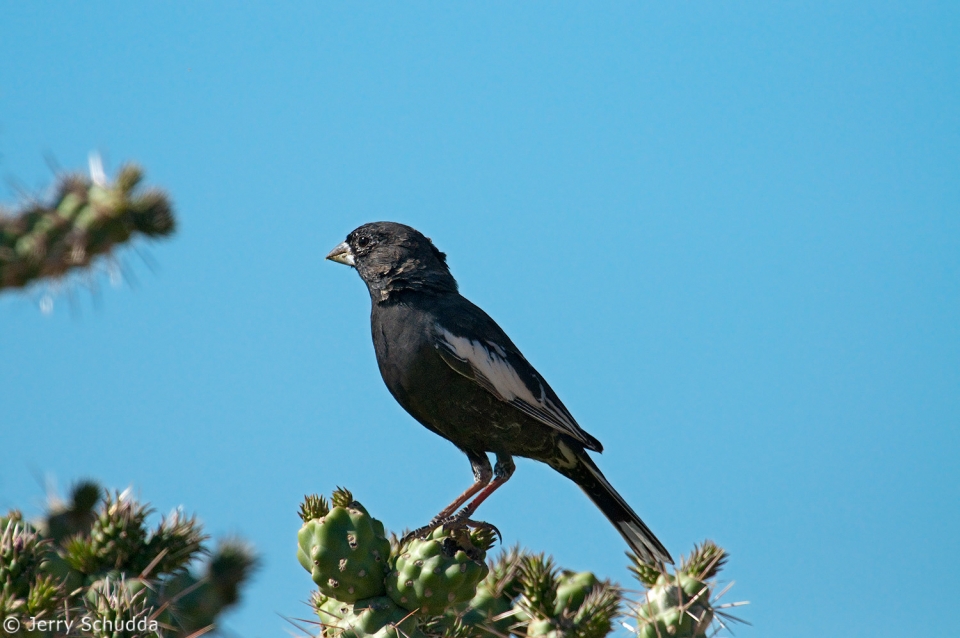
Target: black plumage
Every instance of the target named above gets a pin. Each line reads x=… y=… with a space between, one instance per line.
x=456 y=372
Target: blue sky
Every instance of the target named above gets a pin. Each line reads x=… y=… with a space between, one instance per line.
x=728 y=234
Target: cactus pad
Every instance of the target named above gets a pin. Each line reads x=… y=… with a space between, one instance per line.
x=345 y=551
x=572 y=588
x=435 y=573
x=678 y=606
x=377 y=617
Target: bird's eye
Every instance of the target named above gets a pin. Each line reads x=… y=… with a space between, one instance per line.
x=363 y=242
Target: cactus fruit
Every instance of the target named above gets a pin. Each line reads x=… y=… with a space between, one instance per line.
x=87 y=218
x=345 y=550
x=538 y=597
x=380 y=617
x=572 y=589
x=377 y=617
x=439 y=571
x=333 y=614
x=487 y=610
x=492 y=607
x=678 y=605
x=564 y=605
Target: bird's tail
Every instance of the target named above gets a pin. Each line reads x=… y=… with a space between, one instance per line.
x=591 y=480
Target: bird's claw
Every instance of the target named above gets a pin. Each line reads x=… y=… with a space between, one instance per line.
x=460 y=520
x=421 y=532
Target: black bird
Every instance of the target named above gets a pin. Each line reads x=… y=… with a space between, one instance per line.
x=456 y=372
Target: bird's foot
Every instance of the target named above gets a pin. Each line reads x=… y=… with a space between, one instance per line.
x=422 y=532
x=459 y=521
x=462 y=520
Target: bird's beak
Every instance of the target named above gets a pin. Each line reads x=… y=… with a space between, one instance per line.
x=342 y=254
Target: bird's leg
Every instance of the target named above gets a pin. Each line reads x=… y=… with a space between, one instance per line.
x=502 y=472
x=482 y=473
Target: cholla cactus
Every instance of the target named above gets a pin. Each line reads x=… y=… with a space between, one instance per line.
x=566 y=605
x=440 y=587
x=344 y=548
x=679 y=605
x=96 y=557
x=117 y=608
x=117 y=536
x=429 y=575
x=86 y=219
x=196 y=600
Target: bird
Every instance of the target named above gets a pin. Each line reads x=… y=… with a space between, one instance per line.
x=454 y=370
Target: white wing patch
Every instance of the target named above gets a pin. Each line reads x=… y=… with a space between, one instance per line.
x=488 y=362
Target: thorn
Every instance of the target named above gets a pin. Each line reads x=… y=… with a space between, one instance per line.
x=97 y=174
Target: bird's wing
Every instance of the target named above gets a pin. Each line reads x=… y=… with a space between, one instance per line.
x=501 y=370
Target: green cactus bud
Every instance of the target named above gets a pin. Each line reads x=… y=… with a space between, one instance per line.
x=488 y=611
x=80 y=555
x=504 y=577
x=313 y=506
x=332 y=613
x=539 y=577
x=678 y=605
x=116 y=610
x=705 y=560
x=646 y=573
x=128 y=178
x=71 y=204
x=435 y=573
x=45 y=596
x=119 y=533
x=22 y=554
x=170 y=548
x=572 y=589
x=99 y=583
x=345 y=551
x=342 y=497
x=380 y=617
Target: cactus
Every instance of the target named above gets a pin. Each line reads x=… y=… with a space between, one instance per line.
x=565 y=604
x=117 y=535
x=86 y=219
x=115 y=609
x=199 y=599
x=679 y=604
x=440 y=587
x=439 y=571
x=378 y=617
x=343 y=548
x=95 y=557
x=22 y=553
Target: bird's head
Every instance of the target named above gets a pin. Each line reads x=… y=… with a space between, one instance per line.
x=391 y=257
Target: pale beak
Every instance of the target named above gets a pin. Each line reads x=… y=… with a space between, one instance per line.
x=342 y=254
